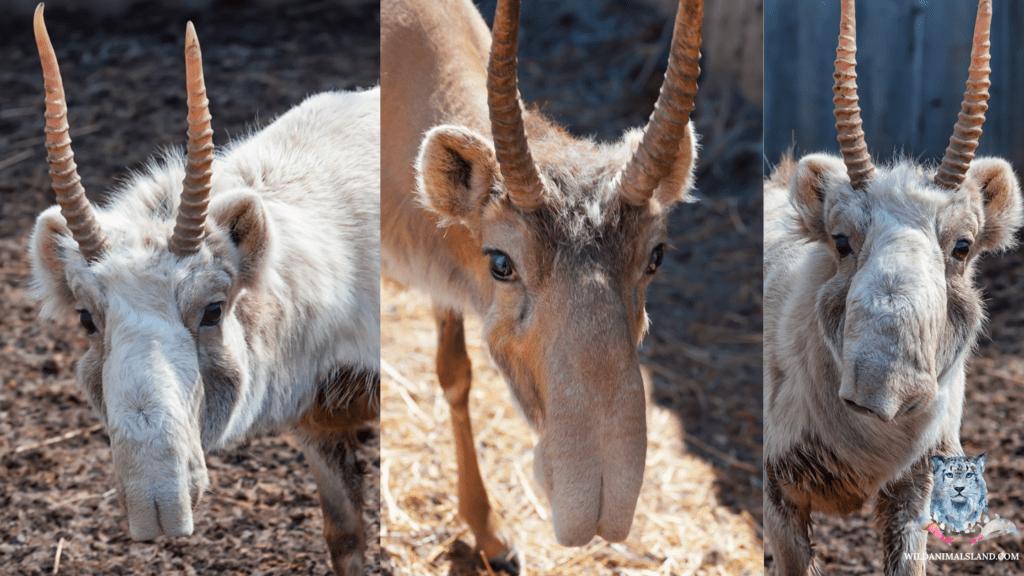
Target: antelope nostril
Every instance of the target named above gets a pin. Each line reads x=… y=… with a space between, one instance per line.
x=857 y=407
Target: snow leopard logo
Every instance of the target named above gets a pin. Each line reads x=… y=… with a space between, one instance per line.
x=959 y=494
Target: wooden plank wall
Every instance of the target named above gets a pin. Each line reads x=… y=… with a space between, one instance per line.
x=912 y=61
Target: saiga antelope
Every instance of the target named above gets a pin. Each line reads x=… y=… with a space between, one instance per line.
x=254 y=310
x=493 y=210
x=871 y=313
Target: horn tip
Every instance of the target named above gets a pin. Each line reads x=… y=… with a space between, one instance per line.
x=37 y=21
x=190 y=34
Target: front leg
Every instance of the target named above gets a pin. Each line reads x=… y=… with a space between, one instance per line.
x=327 y=432
x=788 y=525
x=901 y=502
x=339 y=482
x=454 y=372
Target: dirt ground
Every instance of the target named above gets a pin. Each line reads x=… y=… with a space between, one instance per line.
x=124 y=79
x=597 y=69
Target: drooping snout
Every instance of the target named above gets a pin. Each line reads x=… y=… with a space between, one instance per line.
x=152 y=394
x=894 y=317
x=593 y=441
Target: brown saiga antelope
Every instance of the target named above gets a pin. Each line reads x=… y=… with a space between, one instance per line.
x=225 y=295
x=552 y=240
x=871 y=313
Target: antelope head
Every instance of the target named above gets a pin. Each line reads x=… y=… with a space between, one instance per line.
x=570 y=233
x=164 y=369
x=898 y=305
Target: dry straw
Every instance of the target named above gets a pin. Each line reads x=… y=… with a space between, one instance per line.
x=678 y=529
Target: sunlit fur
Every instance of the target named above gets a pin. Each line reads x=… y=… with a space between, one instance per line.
x=565 y=328
x=291 y=250
x=864 y=355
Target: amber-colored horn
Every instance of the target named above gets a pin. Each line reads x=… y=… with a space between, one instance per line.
x=190 y=227
x=74 y=206
x=967 y=130
x=522 y=180
x=848 y=122
x=659 y=146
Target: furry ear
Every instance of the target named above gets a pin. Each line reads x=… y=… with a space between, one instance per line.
x=937 y=462
x=814 y=177
x=244 y=219
x=52 y=249
x=980 y=463
x=680 y=181
x=1000 y=194
x=455 y=172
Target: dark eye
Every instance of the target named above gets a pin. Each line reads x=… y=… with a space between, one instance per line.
x=961 y=249
x=211 y=315
x=501 y=265
x=657 y=257
x=842 y=245
x=86 y=319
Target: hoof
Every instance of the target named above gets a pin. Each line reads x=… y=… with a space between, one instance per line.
x=507 y=563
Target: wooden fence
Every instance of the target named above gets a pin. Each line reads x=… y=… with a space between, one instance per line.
x=912 y=59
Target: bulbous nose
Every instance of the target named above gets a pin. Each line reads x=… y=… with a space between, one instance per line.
x=878 y=412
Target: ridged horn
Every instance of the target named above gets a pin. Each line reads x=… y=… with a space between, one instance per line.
x=659 y=145
x=518 y=169
x=847 y=112
x=190 y=227
x=967 y=131
x=74 y=205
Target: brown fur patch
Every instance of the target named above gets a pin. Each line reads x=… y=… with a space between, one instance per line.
x=811 y=472
x=347 y=398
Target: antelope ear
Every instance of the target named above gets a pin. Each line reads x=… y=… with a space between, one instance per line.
x=680 y=180
x=1000 y=194
x=52 y=249
x=242 y=216
x=455 y=172
x=816 y=177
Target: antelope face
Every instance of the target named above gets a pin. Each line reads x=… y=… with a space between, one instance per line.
x=566 y=309
x=165 y=363
x=899 y=307
x=166 y=357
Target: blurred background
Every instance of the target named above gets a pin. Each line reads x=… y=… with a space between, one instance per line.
x=912 y=60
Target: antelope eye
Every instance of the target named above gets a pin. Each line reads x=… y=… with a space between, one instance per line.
x=501 y=265
x=211 y=315
x=86 y=319
x=961 y=249
x=657 y=257
x=842 y=245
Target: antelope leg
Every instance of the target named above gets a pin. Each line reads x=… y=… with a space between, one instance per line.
x=899 y=502
x=788 y=527
x=339 y=481
x=454 y=372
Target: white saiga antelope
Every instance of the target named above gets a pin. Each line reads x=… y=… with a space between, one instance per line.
x=552 y=240
x=254 y=310
x=871 y=313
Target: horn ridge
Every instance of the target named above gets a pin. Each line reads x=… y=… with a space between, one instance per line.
x=66 y=183
x=190 y=227
x=967 y=130
x=654 y=157
x=518 y=168
x=849 y=125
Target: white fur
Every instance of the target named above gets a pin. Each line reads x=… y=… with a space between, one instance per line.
x=313 y=308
